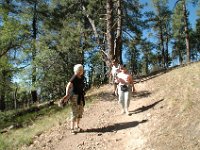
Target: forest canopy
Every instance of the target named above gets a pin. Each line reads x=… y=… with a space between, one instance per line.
x=41 y=41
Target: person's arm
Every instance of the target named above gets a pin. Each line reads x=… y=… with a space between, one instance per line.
x=110 y=72
x=117 y=78
x=69 y=88
x=65 y=99
x=68 y=92
x=132 y=84
x=133 y=88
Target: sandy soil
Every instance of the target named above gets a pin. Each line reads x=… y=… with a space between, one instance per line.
x=104 y=126
x=164 y=116
x=152 y=125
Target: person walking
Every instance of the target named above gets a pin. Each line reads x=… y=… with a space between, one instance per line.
x=125 y=88
x=113 y=75
x=75 y=90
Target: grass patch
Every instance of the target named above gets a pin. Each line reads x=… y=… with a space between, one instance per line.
x=32 y=124
x=25 y=118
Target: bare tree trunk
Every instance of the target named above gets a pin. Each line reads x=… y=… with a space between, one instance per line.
x=146 y=63
x=133 y=61
x=2 y=94
x=118 y=41
x=167 y=52
x=15 y=98
x=2 y=101
x=180 y=55
x=162 y=45
x=110 y=33
x=34 y=25
x=186 y=32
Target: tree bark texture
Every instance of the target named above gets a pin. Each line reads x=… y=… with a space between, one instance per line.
x=34 y=26
x=187 y=40
x=110 y=31
x=3 y=92
x=118 y=40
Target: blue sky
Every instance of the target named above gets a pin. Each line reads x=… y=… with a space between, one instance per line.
x=192 y=10
x=192 y=20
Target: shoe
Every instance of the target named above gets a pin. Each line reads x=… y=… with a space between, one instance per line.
x=127 y=113
x=73 y=132
x=79 y=129
x=122 y=112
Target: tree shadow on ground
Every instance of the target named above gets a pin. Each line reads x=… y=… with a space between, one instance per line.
x=107 y=96
x=103 y=96
x=144 y=108
x=141 y=94
x=116 y=127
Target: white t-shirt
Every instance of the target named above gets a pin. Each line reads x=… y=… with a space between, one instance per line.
x=114 y=70
x=123 y=78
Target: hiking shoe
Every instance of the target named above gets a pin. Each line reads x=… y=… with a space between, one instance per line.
x=73 y=132
x=79 y=129
x=128 y=113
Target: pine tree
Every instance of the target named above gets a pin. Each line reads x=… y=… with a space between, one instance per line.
x=161 y=23
x=11 y=35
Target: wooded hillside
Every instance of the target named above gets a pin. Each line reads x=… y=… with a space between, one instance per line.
x=41 y=41
x=164 y=114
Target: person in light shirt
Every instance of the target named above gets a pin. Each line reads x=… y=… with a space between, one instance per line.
x=113 y=74
x=125 y=88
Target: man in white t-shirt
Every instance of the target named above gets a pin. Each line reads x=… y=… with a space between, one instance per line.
x=113 y=74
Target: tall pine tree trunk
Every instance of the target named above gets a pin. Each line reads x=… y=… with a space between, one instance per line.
x=2 y=94
x=167 y=52
x=34 y=26
x=110 y=32
x=2 y=100
x=187 y=40
x=118 y=41
x=146 y=63
x=162 y=45
x=179 y=54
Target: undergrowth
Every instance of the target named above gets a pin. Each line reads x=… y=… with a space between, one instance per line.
x=24 y=127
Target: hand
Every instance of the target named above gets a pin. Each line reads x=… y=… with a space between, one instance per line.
x=134 y=91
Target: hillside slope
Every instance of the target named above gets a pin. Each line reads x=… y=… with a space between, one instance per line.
x=164 y=116
x=177 y=123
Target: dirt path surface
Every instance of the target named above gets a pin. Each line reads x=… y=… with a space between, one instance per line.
x=164 y=116
x=105 y=128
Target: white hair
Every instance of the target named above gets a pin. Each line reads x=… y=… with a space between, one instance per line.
x=77 y=68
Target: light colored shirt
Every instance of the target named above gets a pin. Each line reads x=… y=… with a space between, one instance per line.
x=123 y=78
x=114 y=70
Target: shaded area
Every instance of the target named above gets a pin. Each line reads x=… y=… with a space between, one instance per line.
x=144 y=108
x=107 y=96
x=116 y=127
x=141 y=94
x=103 y=96
x=150 y=76
x=26 y=117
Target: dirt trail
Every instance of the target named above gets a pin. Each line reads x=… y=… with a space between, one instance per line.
x=104 y=127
